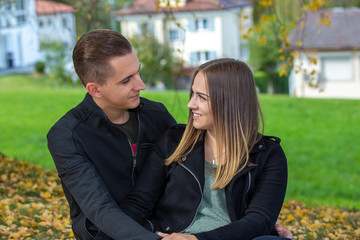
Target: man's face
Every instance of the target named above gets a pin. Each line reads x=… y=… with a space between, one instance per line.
x=122 y=88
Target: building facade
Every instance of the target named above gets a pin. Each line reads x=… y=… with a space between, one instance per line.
x=327 y=63
x=197 y=30
x=19 y=41
x=24 y=24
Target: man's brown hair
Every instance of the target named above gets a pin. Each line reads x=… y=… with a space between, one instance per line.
x=93 y=51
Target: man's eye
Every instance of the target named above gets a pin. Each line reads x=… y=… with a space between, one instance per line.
x=125 y=80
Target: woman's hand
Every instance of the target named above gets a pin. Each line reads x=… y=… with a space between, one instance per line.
x=176 y=236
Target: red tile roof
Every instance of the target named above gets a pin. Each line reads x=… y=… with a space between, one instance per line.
x=149 y=6
x=48 y=7
x=343 y=32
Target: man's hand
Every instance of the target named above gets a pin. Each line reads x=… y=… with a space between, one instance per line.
x=177 y=236
x=283 y=232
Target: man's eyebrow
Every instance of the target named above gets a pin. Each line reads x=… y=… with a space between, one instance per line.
x=124 y=79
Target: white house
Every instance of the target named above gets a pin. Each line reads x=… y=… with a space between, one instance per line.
x=56 y=22
x=19 y=41
x=25 y=23
x=198 y=30
x=327 y=55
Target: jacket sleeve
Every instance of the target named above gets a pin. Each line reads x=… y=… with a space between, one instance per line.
x=79 y=176
x=265 y=201
x=141 y=201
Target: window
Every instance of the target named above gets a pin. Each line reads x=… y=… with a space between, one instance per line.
x=64 y=23
x=145 y=27
x=175 y=35
x=201 y=57
x=337 y=66
x=201 y=24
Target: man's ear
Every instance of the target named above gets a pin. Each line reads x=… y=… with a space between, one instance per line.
x=93 y=89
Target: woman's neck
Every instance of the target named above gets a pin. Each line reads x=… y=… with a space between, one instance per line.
x=211 y=155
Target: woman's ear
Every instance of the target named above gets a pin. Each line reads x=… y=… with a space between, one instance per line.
x=93 y=89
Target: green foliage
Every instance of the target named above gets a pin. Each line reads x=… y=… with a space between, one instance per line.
x=93 y=14
x=158 y=63
x=56 y=58
x=261 y=80
x=40 y=67
x=319 y=136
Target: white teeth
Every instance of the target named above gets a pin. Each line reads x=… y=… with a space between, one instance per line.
x=196 y=115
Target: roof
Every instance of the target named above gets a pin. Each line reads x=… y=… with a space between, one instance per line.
x=48 y=7
x=342 y=32
x=150 y=7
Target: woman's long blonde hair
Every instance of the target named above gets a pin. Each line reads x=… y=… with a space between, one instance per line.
x=236 y=111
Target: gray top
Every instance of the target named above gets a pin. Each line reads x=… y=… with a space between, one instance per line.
x=212 y=212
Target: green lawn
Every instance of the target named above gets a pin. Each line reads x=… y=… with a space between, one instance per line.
x=320 y=136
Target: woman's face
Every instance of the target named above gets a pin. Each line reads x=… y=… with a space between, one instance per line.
x=199 y=104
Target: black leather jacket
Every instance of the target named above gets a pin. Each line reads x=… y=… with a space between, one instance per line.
x=97 y=168
x=173 y=193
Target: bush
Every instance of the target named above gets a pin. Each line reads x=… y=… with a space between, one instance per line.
x=262 y=80
x=40 y=67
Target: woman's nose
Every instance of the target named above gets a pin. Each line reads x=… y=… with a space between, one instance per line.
x=191 y=104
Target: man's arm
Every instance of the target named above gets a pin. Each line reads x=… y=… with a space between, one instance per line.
x=80 y=177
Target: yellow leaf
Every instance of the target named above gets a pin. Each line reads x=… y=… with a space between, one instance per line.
x=262 y=40
x=312 y=60
x=89 y=17
x=265 y=18
x=257 y=28
x=282 y=73
x=299 y=43
x=290 y=217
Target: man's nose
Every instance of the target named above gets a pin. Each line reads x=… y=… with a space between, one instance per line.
x=139 y=84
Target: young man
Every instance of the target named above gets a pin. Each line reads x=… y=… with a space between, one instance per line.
x=100 y=146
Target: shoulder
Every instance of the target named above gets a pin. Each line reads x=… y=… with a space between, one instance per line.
x=68 y=121
x=171 y=138
x=267 y=149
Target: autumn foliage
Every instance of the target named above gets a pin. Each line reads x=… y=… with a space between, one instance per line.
x=33 y=206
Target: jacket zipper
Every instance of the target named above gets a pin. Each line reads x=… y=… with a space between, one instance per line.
x=201 y=191
x=134 y=163
x=136 y=150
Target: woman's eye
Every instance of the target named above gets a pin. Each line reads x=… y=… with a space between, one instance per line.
x=202 y=98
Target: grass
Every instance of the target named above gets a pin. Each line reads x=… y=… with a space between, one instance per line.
x=319 y=136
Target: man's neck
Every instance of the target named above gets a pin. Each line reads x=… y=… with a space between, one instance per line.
x=114 y=115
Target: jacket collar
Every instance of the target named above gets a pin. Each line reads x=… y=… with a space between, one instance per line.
x=90 y=105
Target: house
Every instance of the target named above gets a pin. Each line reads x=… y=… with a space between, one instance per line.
x=56 y=22
x=24 y=24
x=197 y=30
x=327 y=55
x=19 y=41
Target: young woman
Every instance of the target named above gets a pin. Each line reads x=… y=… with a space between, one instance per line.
x=218 y=177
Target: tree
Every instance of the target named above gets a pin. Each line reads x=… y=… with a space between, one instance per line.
x=273 y=22
x=93 y=14
x=158 y=63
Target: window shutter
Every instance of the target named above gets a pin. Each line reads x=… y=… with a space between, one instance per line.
x=193 y=59
x=212 y=55
x=191 y=25
x=211 y=24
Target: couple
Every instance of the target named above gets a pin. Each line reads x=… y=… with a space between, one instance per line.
x=216 y=178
